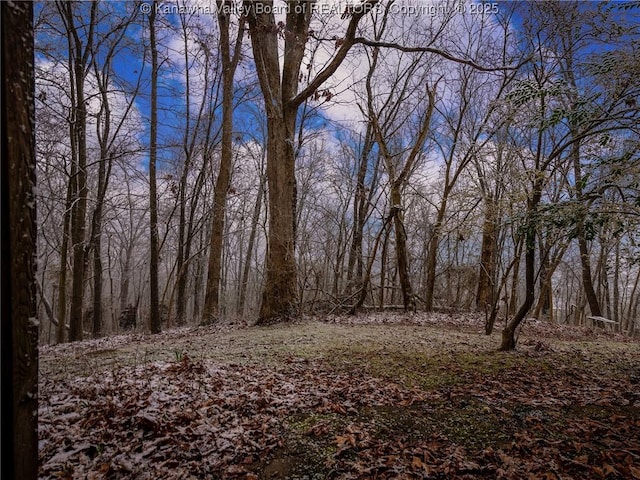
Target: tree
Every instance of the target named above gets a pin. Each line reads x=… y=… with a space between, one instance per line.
x=281 y=99
x=229 y=61
x=154 y=315
x=80 y=46
x=399 y=167
x=107 y=130
x=19 y=319
x=563 y=120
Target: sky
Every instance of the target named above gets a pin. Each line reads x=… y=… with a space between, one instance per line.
x=410 y=22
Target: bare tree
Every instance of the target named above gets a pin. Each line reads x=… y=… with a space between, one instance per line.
x=282 y=99
x=154 y=316
x=108 y=132
x=385 y=121
x=229 y=59
x=80 y=45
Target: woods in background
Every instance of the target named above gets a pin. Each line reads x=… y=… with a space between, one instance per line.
x=197 y=168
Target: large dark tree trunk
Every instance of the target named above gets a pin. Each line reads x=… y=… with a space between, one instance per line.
x=279 y=88
x=19 y=323
x=279 y=297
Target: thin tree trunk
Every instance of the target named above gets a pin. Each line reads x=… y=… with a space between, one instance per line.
x=360 y=212
x=402 y=255
x=79 y=58
x=487 y=271
x=515 y=280
x=62 y=277
x=587 y=282
x=617 y=307
x=509 y=337
x=104 y=171
x=383 y=269
x=154 y=320
x=229 y=64
x=432 y=255
x=362 y=293
x=252 y=237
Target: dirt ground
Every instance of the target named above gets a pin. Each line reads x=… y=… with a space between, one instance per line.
x=372 y=396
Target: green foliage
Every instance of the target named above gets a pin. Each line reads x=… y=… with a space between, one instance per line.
x=527 y=90
x=179 y=355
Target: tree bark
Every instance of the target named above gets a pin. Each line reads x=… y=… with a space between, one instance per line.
x=61 y=328
x=79 y=57
x=229 y=64
x=19 y=335
x=281 y=100
x=488 y=253
x=154 y=318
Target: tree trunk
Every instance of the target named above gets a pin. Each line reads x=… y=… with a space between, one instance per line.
x=279 y=297
x=488 y=253
x=19 y=331
x=383 y=268
x=252 y=237
x=79 y=206
x=587 y=282
x=432 y=256
x=362 y=294
x=104 y=171
x=78 y=60
x=402 y=255
x=154 y=320
x=515 y=279
x=62 y=277
x=229 y=63
x=509 y=337
x=360 y=212
x=281 y=100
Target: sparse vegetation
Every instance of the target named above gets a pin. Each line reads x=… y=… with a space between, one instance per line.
x=410 y=396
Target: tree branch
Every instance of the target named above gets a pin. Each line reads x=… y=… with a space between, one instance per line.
x=437 y=51
x=345 y=45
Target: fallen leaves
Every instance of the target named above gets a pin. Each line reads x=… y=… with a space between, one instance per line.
x=545 y=412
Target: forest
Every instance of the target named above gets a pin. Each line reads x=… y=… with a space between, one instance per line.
x=468 y=156
x=324 y=239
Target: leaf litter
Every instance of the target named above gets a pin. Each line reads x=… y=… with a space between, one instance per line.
x=375 y=396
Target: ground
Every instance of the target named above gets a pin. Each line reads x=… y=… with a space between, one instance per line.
x=376 y=396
